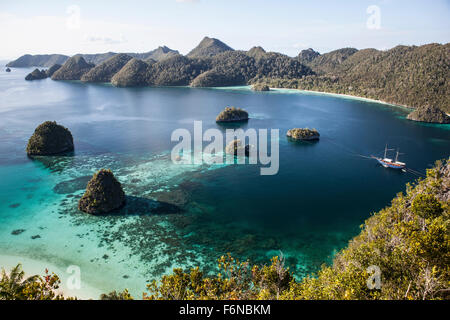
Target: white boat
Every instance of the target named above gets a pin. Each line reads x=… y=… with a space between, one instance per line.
x=389 y=163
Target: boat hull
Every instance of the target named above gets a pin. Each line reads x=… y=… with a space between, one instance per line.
x=391 y=165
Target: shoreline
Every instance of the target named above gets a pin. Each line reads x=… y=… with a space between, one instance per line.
x=341 y=95
x=37 y=267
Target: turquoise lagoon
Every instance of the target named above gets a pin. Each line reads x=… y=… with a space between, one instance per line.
x=189 y=215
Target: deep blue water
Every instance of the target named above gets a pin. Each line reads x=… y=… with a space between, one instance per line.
x=322 y=194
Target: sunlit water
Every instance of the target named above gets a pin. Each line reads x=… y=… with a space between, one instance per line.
x=188 y=215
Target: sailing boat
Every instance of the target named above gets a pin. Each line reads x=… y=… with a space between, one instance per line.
x=389 y=163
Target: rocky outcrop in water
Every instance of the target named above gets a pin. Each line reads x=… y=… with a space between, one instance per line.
x=50 y=71
x=303 y=134
x=103 y=194
x=50 y=138
x=232 y=115
x=8 y=70
x=36 y=75
x=133 y=74
x=429 y=114
x=236 y=147
x=106 y=70
x=73 y=69
x=260 y=87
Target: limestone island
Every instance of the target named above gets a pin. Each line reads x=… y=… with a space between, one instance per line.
x=50 y=138
x=36 y=75
x=260 y=87
x=303 y=134
x=133 y=74
x=73 y=69
x=235 y=147
x=50 y=71
x=429 y=114
x=107 y=69
x=103 y=194
x=8 y=70
x=232 y=114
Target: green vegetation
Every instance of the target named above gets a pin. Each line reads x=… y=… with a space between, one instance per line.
x=411 y=76
x=429 y=114
x=231 y=114
x=303 y=134
x=50 y=138
x=409 y=242
x=133 y=74
x=107 y=69
x=260 y=87
x=208 y=47
x=14 y=286
x=103 y=194
x=73 y=69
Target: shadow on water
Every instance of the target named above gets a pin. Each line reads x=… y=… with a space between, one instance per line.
x=302 y=143
x=139 y=206
x=233 y=125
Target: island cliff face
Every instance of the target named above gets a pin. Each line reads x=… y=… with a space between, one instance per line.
x=73 y=69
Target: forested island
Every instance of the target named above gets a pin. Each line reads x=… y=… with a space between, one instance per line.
x=411 y=76
x=409 y=241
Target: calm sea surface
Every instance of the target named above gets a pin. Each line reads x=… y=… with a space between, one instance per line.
x=188 y=215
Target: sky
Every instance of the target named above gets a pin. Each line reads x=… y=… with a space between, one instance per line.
x=287 y=26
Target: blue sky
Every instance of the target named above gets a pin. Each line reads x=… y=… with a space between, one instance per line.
x=286 y=26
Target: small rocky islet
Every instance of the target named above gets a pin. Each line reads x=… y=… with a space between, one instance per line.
x=42 y=74
x=8 y=70
x=232 y=114
x=260 y=87
x=103 y=194
x=36 y=74
x=236 y=147
x=303 y=134
x=50 y=138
